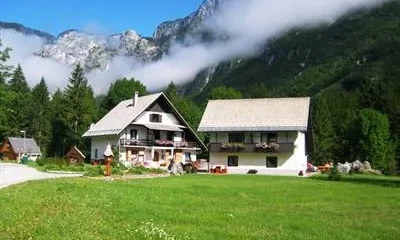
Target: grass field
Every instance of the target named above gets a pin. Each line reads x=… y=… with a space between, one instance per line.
x=203 y=207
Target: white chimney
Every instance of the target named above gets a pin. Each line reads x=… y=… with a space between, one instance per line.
x=135 y=98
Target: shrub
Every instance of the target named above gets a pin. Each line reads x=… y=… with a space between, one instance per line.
x=334 y=174
x=156 y=170
x=252 y=171
x=116 y=171
x=138 y=170
x=187 y=168
x=94 y=170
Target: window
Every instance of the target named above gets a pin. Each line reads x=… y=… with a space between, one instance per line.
x=233 y=161
x=155 y=117
x=269 y=137
x=170 y=136
x=236 y=137
x=156 y=134
x=188 y=157
x=272 y=162
x=133 y=133
x=96 y=153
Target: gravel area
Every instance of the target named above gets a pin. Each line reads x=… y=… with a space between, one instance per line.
x=11 y=173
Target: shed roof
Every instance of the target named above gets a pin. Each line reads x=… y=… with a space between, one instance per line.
x=21 y=145
x=264 y=114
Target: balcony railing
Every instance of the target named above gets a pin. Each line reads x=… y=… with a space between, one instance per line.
x=160 y=143
x=281 y=147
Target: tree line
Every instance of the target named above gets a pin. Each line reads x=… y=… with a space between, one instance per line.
x=343 y=128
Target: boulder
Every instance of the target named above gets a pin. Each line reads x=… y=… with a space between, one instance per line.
x=344 y=168
x=177 y=169
x=357 y=166
x=367 y=166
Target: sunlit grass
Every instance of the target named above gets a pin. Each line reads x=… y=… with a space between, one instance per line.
x=203 y=207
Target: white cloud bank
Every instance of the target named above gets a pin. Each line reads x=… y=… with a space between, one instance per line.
x=246 y=23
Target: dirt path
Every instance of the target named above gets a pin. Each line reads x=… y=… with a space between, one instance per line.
x=11 y=173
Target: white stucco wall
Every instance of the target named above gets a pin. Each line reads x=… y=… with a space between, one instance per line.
x=288 y=164
x=167 y=118
x=100 y=143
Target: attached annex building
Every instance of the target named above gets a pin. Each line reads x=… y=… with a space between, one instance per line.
x=267 y=135
x=145 y=130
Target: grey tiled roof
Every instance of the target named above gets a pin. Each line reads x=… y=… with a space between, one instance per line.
x=264 y=114
x=18 y=145
x=120 y=116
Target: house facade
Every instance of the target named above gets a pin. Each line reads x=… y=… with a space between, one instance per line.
x=267 y=135
x=145 y=130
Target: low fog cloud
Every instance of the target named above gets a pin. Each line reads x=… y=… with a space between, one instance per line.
x=246 y=23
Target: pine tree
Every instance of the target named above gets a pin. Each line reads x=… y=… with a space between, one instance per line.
x=57 y=146
x=20 y=104
x=323 y=133
x=375 y=143
x=40 y=122
x=79 y=106
x=172 y=91
x=223 y=92
x=17 y=82
x=120 y=90
x=5 y=70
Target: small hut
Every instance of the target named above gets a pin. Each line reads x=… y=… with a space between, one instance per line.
x=75 y=156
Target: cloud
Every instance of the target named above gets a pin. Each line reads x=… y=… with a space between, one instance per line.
x=247 y=25
x=56 y=74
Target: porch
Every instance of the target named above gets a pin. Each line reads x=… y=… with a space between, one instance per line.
x=155 y=156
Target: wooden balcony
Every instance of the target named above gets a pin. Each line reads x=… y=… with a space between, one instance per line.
x=283 y=147
x=158 y=143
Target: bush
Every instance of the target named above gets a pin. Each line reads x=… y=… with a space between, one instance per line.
x=138 y=170
x=334 y=174
x=52 y=161
x=116 y=171
x=252 y=171
x=94 y=170
x=187 y=168
x=156 y=170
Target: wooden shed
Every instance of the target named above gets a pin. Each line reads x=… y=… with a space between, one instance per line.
x=75 y=156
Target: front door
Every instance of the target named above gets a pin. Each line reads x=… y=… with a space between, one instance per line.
x=156 y=156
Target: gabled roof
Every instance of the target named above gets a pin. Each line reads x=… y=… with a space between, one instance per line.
x=121 y=116
x=73 y=150
x=18 y=144
x=264 y=114
x=115 y=121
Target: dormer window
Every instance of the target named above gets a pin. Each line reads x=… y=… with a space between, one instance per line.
x=155 y=118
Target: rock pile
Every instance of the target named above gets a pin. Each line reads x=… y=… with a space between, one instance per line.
x=357 y=166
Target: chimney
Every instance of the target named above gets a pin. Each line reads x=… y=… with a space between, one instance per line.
x=135 y=98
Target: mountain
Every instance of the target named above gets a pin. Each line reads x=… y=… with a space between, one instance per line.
x=346 y=67
x=25 y=30
x=95 y=52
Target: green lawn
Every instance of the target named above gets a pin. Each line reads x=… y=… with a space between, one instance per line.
x=203 y=207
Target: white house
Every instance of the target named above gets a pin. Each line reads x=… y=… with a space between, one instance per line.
x=145 y=130
x=267 y=135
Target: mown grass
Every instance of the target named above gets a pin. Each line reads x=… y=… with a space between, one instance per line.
x=203 y=207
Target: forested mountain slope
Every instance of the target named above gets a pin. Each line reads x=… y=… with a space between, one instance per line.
x=347 y=66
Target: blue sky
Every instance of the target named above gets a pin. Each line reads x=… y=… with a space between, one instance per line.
x=101 y=16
